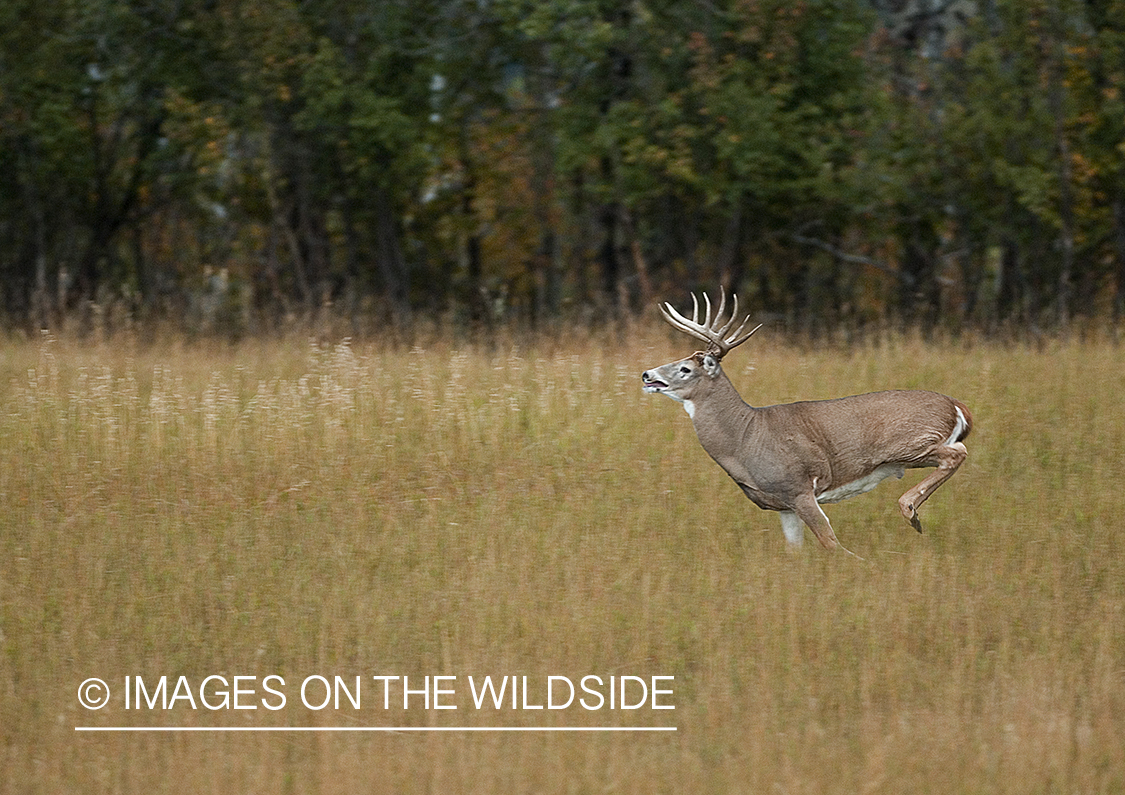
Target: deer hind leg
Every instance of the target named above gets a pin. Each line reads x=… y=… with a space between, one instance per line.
x=949 y=457
x=792 y=527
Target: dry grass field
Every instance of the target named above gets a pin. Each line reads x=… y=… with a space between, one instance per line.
x=522 y=509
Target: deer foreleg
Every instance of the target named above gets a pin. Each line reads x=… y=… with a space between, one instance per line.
x=809 y=511
x=950 y=457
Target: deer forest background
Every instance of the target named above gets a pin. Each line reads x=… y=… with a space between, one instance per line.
x=239 y=165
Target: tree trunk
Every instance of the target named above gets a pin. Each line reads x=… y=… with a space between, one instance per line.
x=1119 y=237
x=1057 y=100
x=608 y=261
x=919 y=297
x=640 y=263
x=388 y=256
x=730 y=263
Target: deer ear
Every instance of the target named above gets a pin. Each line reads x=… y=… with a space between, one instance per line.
x=710 y=365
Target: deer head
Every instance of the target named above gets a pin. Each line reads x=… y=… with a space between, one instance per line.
x=680 y=380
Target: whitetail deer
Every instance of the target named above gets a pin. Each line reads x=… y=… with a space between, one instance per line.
x=792 y=457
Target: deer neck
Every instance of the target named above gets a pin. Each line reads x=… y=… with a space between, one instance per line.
x=721 y=417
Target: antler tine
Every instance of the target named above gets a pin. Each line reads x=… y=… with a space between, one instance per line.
x=714 y=334
x=733 y=315
x=712 y=330
x=723 y=305
x=735 y=340
x=678 y=321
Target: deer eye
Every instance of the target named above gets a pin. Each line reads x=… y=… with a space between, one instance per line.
x=685 y=370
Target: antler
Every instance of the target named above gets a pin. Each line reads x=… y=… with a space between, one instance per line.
x=718 y=343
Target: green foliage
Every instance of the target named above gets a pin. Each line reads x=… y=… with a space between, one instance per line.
x=828 y=158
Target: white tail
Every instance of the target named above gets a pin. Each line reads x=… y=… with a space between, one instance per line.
x=792 y=457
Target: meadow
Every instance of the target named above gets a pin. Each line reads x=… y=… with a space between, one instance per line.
x=520 y=508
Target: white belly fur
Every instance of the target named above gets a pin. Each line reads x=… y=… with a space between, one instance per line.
x=863 y=484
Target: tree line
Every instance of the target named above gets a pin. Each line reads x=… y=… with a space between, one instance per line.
x=238 y=163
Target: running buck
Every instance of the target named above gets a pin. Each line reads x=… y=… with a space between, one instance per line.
x=792 y=457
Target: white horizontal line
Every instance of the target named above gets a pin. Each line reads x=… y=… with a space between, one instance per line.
x=375 y=728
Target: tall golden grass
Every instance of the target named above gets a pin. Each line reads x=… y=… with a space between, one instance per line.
x=523 y=509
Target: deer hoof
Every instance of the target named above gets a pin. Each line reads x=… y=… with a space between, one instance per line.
x=910 y=514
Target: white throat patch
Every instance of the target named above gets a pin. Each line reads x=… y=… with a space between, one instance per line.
x=689 y=407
